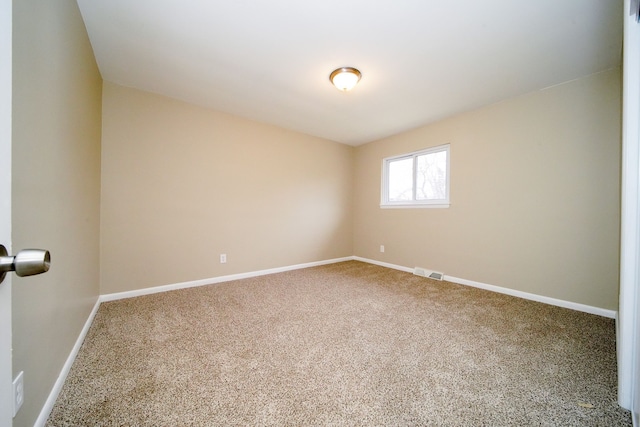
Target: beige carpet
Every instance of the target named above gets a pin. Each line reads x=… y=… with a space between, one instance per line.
x=347 y=344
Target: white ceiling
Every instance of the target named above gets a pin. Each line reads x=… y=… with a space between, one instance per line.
x=421 y=60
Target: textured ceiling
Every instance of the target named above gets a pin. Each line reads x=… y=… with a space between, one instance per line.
x=421 y=60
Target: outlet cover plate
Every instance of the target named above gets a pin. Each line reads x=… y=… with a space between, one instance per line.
x=18 y=392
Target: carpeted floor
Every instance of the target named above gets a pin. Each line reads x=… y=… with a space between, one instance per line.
x=348 y=344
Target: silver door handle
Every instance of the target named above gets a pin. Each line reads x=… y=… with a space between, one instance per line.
x=27 y=262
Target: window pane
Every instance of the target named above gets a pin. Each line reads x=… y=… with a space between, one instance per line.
x=431 y=176
x=419 y=179
x=401 y=180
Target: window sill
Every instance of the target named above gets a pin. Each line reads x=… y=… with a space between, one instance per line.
x=415 y=205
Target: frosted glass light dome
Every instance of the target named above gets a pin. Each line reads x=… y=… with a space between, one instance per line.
x=345 y=78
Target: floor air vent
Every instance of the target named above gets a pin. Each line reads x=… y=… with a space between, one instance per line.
x=428 y=273
x=435 y=275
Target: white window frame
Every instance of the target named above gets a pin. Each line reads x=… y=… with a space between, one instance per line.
x=433 y=203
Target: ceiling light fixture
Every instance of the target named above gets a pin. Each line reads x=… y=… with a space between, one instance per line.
x=345 y=78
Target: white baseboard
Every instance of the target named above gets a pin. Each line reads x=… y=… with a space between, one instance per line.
x=539 y=298
x=214 y=280
x=57 y=387
x=383 y=264
x=526 y=295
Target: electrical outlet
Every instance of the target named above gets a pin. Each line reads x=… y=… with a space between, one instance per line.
x=18 y=393
x=223 y=258
x=381 y=248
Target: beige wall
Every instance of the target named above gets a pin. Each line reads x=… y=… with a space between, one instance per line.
x=535 y=195
x=56 y=189
x=182 y=184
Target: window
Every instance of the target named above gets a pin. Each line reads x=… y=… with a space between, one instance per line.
x=419 y=179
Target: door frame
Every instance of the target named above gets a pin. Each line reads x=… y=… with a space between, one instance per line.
x=6 y=388
x=628 y=324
